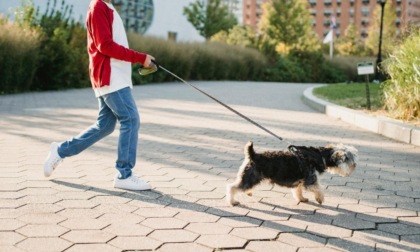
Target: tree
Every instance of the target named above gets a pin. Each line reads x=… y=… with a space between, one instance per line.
x=286 y=25
x=238 y=35
x=209 y=17
x=389 y=33
x=350 y=43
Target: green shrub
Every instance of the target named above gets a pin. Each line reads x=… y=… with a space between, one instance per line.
x=401 y=91
x=199 y=61
x=348 y=66
x=64 y=60
x=19 y=54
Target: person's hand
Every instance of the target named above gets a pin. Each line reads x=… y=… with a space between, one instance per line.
x=148 y=61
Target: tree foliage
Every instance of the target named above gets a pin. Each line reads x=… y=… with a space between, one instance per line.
x=350 y=43
x=238 y=35
x=286 y=26
x=209 y=17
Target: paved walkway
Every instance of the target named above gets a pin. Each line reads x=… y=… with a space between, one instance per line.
x=189 y=148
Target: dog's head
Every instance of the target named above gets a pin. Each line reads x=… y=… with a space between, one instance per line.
x=343 y=159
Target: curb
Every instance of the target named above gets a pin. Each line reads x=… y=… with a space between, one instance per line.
x=380 y=125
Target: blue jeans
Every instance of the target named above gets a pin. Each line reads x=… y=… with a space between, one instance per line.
x=119 y=105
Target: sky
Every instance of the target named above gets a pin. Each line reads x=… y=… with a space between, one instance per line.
x=167 y=17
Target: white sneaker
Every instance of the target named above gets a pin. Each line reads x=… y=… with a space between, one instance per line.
x=131 y=183
x=53 y=160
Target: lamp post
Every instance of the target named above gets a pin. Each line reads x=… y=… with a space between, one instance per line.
x=379 y=60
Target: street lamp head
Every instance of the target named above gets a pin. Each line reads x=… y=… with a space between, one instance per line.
x=381 y=2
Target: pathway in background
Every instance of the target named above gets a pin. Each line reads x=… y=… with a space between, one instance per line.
x=189 y=149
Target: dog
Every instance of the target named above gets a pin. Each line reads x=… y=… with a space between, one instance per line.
x=296 y=168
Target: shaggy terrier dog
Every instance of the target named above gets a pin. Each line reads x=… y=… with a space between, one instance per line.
x=296 y=168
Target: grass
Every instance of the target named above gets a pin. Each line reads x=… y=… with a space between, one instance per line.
x=351 y=95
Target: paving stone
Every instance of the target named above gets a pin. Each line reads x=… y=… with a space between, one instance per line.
x=128 y=229
x=44 y=244
x=84 y=223
x=121 y=218
x=264 y=246
x=358 y=208
x=184 y=247
x=10 y=248
x=88 y=236
x=411 y=221
x=192 y=216
x=353 y=223
x=328 y=231
x=377 y=218
x=10 y=224
x=42 y=230
x=240 y=222
x=285 y=226
x=255 y=233
x=411 y=241
x=93 y=248
x=164 y=223
x=10 y=238
x=397 y=212
x=176 y=235
x=302 y=240
x=77 y=204
x=135 y=243
x=77 y=213
x=399 y=229
x=351 y=244
x=156 y=212
x=208 y=228
x=221 y=241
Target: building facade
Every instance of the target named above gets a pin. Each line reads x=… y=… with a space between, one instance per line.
x=345 y=12
x=137 y=15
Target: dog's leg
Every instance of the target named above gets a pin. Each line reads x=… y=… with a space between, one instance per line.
x=298 y=195
x=316 y=189
x=231 y=190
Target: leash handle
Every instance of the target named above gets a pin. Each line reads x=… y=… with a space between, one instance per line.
x=216 y=100
x=149 y=70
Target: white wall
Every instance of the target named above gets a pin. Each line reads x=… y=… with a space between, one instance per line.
x=168 y=16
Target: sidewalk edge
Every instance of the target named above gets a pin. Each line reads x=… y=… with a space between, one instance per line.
x=383 y=126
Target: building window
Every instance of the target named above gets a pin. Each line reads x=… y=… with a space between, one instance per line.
x=351 y=2
x=351 y=12
x=338 y=12
x=364 y=22
x=313 y=12
x=327 y=2
x=328 y=12
x=312 y=2
x=365 y=11
x=398 y=22
x=365 y=1
x=364 y=33
x=338 y=2
x=398 y=11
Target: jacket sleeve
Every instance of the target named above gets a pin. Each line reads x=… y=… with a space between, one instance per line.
x=100 y=26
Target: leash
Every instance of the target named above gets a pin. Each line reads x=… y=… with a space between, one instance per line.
x=156 y=66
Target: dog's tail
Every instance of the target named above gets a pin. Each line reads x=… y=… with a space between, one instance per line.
x=249 y=151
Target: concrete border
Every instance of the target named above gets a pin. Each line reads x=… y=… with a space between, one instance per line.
x=384 y=126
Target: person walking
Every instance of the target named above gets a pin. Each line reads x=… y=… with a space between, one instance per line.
x=110 y=62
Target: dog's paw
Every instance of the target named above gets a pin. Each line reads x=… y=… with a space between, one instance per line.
x=249 y=194
x=234 y=203
x=303 y=200
x=319 y=199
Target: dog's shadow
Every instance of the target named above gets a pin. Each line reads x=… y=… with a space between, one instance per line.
x=158 y=198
